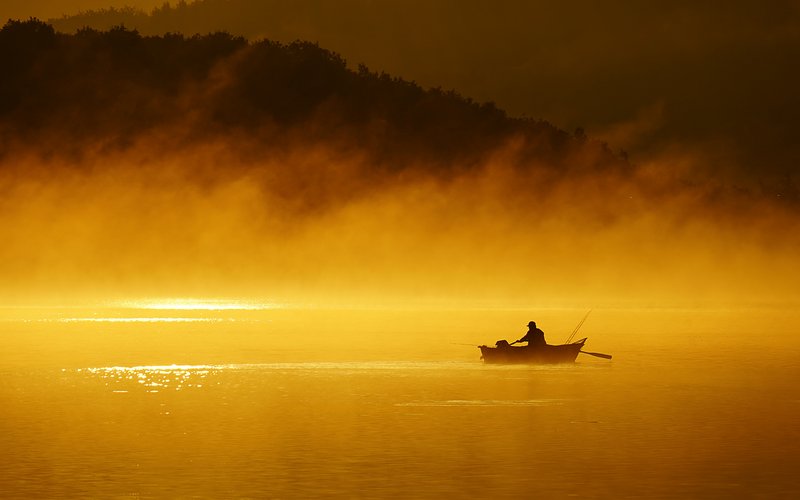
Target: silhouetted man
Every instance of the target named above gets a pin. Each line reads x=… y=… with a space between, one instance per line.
x=534 y=337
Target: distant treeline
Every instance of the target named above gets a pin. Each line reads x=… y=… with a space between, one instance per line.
x=273 y=19
x=112 y=86
x=200 y=16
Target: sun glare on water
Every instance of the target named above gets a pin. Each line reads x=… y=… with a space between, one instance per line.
x=190 y=304
x=150 y=310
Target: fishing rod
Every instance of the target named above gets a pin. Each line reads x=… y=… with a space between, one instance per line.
x=597 y=354
x=577 y=328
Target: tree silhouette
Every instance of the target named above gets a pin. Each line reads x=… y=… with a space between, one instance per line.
x=113 y=86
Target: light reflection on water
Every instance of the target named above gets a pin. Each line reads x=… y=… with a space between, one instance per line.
x=132 y=320
x=711 y=417
x=373 y=429
x=152 y=378
x=485 y=402
x=122 y=379
x=197 y=304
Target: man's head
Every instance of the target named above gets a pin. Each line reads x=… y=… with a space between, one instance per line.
x=532 y=324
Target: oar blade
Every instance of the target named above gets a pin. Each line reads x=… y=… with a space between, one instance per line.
x=598 y=354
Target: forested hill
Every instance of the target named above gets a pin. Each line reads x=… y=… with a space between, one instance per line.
x=64 y=91
x=660 y=83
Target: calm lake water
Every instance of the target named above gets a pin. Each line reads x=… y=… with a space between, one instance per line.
x=377 y=404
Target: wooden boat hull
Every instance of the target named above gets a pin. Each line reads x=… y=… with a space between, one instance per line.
x=547 y=354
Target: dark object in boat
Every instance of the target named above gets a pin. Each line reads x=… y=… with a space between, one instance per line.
x=546 y=354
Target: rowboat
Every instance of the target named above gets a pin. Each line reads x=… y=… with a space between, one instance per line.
x=503 y=352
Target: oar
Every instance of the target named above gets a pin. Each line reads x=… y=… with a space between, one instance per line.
x=598 y=354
